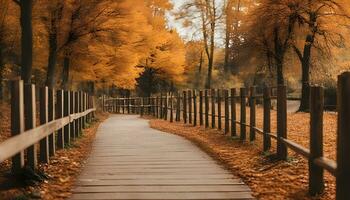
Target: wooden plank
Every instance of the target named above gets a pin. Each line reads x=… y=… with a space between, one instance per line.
x=155 y=176
x=140 y=182
x=165 y=196
x=163 y=188
x=158 y=165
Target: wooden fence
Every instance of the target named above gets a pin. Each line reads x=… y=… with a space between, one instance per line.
x=194 y=105
x=63 y=115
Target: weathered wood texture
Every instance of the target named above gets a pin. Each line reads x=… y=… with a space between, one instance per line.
x=130 y=160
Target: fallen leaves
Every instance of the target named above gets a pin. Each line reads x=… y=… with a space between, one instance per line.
x=267 y=177
x=62 y=171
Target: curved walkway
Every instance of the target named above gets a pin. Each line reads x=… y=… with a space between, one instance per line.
x=130 y=160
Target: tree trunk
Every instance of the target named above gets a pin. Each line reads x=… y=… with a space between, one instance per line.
x=65 y=73
x=211 y=57
x=1 y=83
x=26 y=40
x=199 y=71
x=2 y=66
x=279 y=65
x=279 y=56
x=305 y=79
x=51 y=67
x=210 y=70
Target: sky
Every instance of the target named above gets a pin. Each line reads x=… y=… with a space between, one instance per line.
x=188 y=33
x=185 y=33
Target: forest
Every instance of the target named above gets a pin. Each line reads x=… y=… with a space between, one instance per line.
x=124 y=46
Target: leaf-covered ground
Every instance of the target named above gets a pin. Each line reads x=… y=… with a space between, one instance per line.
x=267 y=177
x=60 y=174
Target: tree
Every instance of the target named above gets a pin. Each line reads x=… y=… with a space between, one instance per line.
x=26 y=39
x=274 y=30
x=207 y=14
x=316 y=20
x=55 y=9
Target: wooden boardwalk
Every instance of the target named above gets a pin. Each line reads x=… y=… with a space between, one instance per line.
x=130 y=160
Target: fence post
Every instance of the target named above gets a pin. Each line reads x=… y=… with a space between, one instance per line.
x=44 y=143
x=142 y=106
x=206 y=109
x=30 y=122
x=166 y=107
x=123 y=106
x=66 y=110
x=81 y=121
x=128 y=104
x=219 y=108
x=243 y=114
x=161 y=110
x=59 y=108
x=76 y=110
x=194 y=108
x=117 y=105
x=267 y=119
x=252 y=113
x=189 y=106
x=178 y=101
x=86 y=107
x=17 y=121
x=316 y=183
x=184 y=107
x=233 y=113
x=72 y=111
x=51 y=110
x=213 y=108
x=227 y=127
x=156 y=107
x=343 y=139
x=171 y=108
x=80 y=110
x=201 y=107
x=83 y=108
x=281 y=121
x=103 y=103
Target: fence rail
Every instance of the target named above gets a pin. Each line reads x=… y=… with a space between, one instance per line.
x=186 y=102
x=63 y=114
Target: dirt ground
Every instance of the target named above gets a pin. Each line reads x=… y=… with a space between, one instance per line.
x=59 y=175
x=267 y=177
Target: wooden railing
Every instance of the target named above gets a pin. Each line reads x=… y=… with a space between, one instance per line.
x=63 y=115
x=187 y=103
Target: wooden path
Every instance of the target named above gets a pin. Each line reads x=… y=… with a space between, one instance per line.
x=130 y=160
